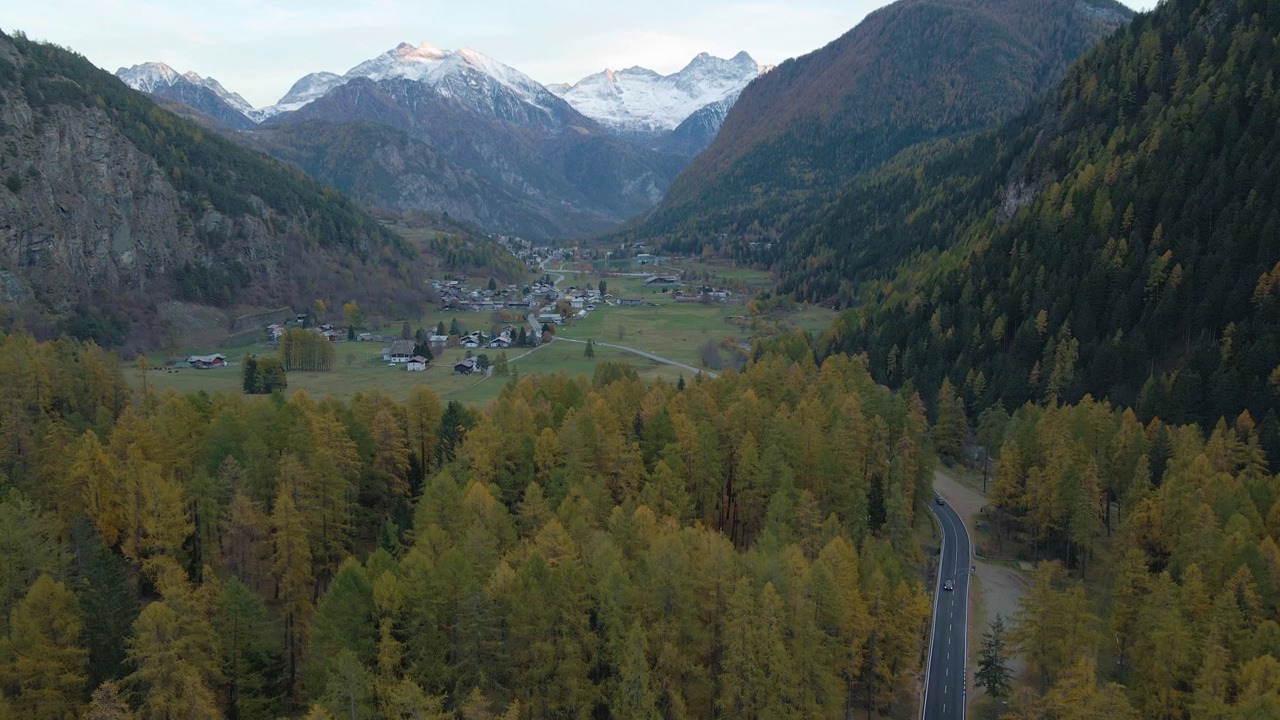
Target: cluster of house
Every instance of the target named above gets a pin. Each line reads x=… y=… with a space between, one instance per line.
x=454 y=295
x=478 y=339
x=525 y=252
x=401 y=352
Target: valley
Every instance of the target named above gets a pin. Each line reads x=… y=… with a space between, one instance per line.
x=933 y=372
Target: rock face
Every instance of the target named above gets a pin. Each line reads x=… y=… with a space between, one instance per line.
x=106 y=197
x=91 y=210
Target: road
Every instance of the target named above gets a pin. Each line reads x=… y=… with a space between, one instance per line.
x=944 y=684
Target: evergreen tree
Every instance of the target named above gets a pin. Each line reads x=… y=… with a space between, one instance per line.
x=590 y=351
x=993 y=675
x=249 y=374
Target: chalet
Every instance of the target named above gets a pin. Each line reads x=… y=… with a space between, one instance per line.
x=417 y=363
x=577 y=303
x=630 y=302
x=474 y=339
x=502 y=341
x=206 y=362
x=401 y=351
x=552 y=318
x=275 y=331
x=662 y=280
x=437 y=339
x=466 y=367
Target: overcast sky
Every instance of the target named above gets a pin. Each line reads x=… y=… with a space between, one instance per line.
x=260 y=47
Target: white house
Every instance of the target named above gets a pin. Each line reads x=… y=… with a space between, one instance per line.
x=417 y=363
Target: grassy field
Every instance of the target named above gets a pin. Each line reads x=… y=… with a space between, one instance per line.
x=671 y=330
x=364 y=371
x=677 y=331
x=358 y=368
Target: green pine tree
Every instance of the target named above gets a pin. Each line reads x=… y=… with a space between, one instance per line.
x=993 y=674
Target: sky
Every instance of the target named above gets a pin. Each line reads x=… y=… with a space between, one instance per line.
x=259 y=48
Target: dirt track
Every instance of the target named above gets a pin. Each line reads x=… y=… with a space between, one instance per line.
x=997 y=588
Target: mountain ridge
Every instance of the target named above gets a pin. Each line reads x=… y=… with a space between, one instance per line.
x=475 y=138
x=1114 y=240
x=910 y=71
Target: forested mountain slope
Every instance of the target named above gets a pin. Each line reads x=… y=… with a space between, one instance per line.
x=109 y=201
x=1119 y=239
x=915 y=70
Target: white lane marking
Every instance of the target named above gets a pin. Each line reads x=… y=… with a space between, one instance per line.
x=937 y=593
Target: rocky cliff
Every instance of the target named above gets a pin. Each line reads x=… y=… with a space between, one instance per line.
x=109 y=202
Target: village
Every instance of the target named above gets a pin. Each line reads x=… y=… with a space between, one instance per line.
x=522 y=316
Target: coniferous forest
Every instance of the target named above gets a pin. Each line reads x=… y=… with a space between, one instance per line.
x=1118 y=240
x=583 y=548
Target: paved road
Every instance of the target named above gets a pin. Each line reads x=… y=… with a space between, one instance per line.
x=944 y=684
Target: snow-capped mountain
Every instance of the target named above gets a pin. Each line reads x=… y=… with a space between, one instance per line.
x=204 y=94
x=457 y=131
x=463 y=73
x=310 y=87
x=639 y=101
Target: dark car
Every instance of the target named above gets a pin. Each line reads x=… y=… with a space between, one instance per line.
x=949 y=585
x=940 y=501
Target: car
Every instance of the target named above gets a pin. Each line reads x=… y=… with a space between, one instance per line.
x=940 y=501
x=949 y=585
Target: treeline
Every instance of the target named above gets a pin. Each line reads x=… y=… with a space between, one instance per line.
x=1181 y=615
x=1119 y=240
x=468 y=253
x=583 y=548
x=306 y=350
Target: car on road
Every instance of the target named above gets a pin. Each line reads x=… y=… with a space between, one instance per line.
x=949 y=585
x=940 y=501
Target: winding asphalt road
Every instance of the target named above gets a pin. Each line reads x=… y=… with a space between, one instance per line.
x=944 y=684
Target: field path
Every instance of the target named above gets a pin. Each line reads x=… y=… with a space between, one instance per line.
x=651 y=356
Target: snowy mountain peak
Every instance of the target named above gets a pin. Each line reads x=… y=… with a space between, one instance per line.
x=149 y=76
x=465 y=73
x=639 y=100
x=157 y=78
